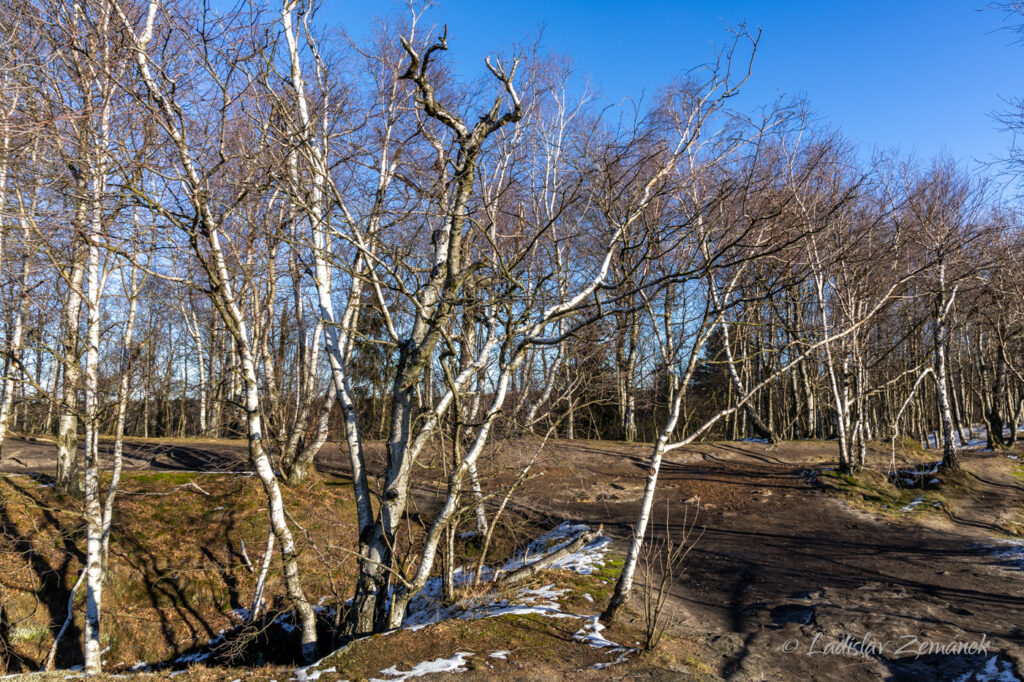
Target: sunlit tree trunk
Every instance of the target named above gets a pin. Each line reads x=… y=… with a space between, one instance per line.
x=940 y=339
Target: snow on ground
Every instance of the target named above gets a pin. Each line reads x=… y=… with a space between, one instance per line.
x=427 y=608
x=973 y=442
x=995 y=670
x=548 y=594
x=914 y=476
x=586 y=561
x=590 y=634
x=455 y=664
x=913 y=504
x=1009 y=553
x=305 y=675
x=621 y=659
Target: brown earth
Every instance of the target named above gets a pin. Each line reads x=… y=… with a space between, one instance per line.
x=787 y=555
x=791 y=556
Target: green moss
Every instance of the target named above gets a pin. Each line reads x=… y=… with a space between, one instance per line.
x=168 y=477
x=612 y=568
x=873 y=490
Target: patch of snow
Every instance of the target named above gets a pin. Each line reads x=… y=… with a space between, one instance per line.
x=427 y=608
x=1010 y=553
x=547 y=593
x=455 y=664
x=503 y=654
x=287 y=627
x=514 y=610
x=586 y=595
x=913 y=504
x=1014 y=457
x=192 y=658
x=995 y=670
x=590 y=634
x=934 y=439
x=621 y=659
x=586 y=561
x=309 y=673
x=913 y=477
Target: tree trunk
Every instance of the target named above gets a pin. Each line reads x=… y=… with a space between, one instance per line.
x=940 y=338
x=13 y=358
x=67 y=434
x=625 y=583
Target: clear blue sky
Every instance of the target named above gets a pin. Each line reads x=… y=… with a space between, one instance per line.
x=922 y=77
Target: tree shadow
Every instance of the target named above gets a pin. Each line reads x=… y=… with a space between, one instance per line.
x=54 y=588
x=161 y=583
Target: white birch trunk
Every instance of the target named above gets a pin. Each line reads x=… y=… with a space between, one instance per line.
x=836 y=383
x=335 y=339
x=222 y=296
x=13 y=363
x=94 y=561
x=625 y=583
x=93 y=509
x=950 y=453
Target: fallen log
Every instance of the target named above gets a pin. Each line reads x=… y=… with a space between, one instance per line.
x=538 y=565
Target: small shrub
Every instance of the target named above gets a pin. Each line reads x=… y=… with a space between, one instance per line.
x=664 y=556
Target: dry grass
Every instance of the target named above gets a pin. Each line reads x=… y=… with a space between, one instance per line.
x=182 y=545
x=177 y=568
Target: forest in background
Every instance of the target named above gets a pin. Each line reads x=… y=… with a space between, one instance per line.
x=237 y=224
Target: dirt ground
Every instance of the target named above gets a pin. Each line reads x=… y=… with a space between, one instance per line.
x=37 y=455
x=795 y=575
x=785 y=566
